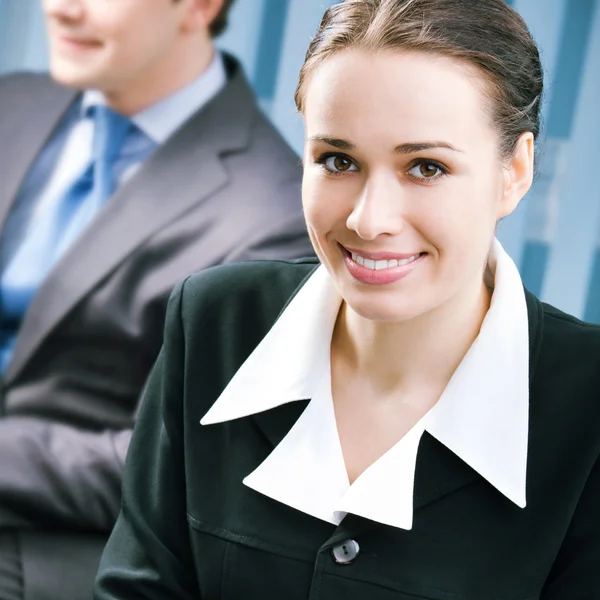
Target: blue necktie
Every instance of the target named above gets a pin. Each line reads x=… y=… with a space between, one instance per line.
x=55 y=228
x=89 y=192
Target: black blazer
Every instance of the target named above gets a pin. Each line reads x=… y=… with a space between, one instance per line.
x=189 y=528
x=225 y=187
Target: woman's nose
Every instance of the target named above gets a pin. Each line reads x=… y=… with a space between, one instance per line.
x=379 y=210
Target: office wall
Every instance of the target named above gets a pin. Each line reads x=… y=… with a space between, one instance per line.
x=554 y=236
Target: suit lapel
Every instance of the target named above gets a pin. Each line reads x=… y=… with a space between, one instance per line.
x=29 y=128
x=152 y=198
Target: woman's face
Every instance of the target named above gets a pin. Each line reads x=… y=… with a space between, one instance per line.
x=403 y=183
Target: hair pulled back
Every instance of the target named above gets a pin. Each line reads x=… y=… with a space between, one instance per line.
x=486 y=34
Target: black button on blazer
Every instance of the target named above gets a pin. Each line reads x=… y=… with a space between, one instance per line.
x=189 y=528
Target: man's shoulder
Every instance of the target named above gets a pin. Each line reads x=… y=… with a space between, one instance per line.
x=266 y=159
x=235 y=114
x=238 y=282
x=21 y=93
x=263 y=173
x=21 y=82
x=269 y=137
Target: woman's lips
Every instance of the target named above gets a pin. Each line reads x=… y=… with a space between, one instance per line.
x=380 y=268
x=379 y=255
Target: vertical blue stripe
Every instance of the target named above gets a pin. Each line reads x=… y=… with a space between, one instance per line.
x=511 y=231
x=535 y=258
x=22 y=37
x=269 y=51
x=573 y=47
x=592 y=308
x=545 y=26
x=6 y=25
x=571 y=260
x=242 y=35
x=303 y=22
x=35 y=55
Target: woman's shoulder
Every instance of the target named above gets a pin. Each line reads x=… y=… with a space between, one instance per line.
x=565 y=358
x=254 y=290
x=563 y=342
x=552 y=328
x=569 y=334
x=236 y=280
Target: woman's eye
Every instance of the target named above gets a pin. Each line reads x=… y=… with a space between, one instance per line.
x=338 y=164
x=426 y=170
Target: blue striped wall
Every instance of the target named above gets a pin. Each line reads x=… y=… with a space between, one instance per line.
x=554 y=236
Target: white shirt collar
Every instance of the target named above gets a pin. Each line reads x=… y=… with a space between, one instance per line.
x=162 y=119
x=482 y=415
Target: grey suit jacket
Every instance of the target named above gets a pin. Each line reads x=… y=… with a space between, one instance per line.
x=223 y=188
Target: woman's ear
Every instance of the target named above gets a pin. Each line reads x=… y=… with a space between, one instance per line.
x=518 y=175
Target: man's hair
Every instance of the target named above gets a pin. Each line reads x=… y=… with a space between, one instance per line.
x=218 y=26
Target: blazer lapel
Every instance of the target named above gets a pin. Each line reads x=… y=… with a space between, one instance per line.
x=42 y=112
x=152 y=198
x=277 y=422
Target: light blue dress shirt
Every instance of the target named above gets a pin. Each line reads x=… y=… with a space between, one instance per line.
x=67 y=154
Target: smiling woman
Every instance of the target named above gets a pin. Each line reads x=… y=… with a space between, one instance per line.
x=404 y=420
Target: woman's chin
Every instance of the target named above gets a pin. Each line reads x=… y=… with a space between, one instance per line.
x=386 y=311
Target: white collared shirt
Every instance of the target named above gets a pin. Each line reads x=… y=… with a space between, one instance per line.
x=482 y=415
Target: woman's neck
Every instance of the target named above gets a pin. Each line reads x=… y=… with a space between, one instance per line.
x=407 y=355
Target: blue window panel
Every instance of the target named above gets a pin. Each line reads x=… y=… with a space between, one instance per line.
x=573 y=47
x=11 y=17
x=243 y=33
x=275 y=15
x=23 y=42
x=572 y=255
x=592 y=308
x=535 y=257
x=35 y=55
x=546 y=26
x=511 y=232
x=303 y=21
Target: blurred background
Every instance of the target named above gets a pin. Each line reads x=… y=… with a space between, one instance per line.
x=554 y=236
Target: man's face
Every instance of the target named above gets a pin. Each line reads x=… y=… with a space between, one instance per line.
x=110 y=45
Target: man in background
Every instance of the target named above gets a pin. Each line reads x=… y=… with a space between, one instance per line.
x=145 y=158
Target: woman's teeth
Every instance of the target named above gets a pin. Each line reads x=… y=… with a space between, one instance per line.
x=379 y=265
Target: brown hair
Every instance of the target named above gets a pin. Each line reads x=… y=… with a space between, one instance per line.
x=218 y=26
x=486 y=34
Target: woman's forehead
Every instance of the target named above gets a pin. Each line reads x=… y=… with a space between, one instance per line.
x=417 y=94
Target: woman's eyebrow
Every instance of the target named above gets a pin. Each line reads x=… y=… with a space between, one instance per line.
x=407 y=148
x=412 y=147
x=335 y=142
